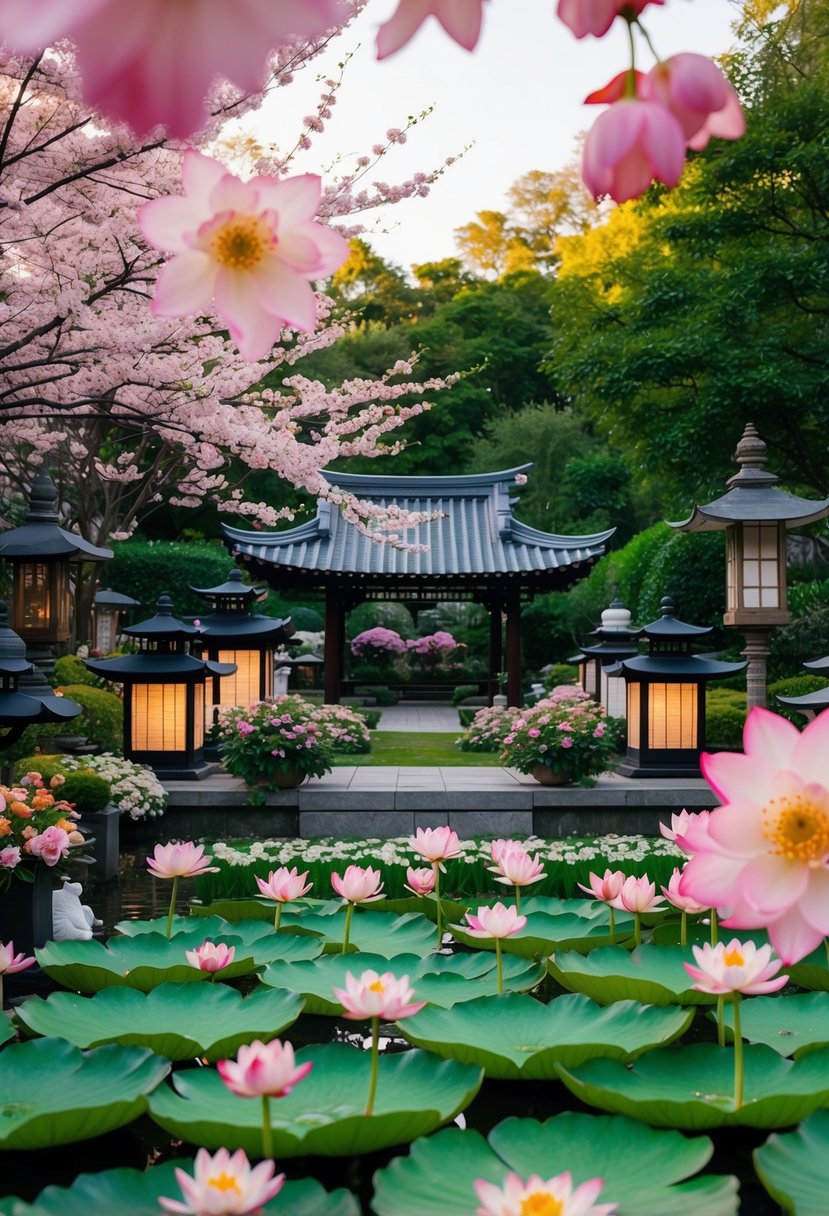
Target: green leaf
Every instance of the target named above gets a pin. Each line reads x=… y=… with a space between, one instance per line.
x=257 y=937
x=693 y=1087
x=324 y=1114
x=789 y=1025
x=381 y=933
x=653 y=975
x=51 y=1093
x=516 y=1037
x=544 y=934
x=794 y=1168
x=643 y=1169
x=811 y=972
x=432 y=978
x=7 y=1031
x=142 y=962
x=174 y=1020
x=125 y=1192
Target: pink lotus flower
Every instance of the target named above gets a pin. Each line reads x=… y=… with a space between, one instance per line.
x=735 y=967
x=224 y=1186
x=639 y=895
x=11 y=962
x=248 y=248
x=377 y=996
x=184 y=860
x=695 y=91
x=358 y=885
x=50 y=846
x=630 y=145
x=555 y=1197
x=496 y=922
x=266 y=1070
x=607 y=888
x=435 y=844
x=763 y=857
x=421 y=882
x=130 y=51
x=680 y=823
x=211 y=956
x=675 y=896
x=517 y=869
x=284 y=885
x=595 y=17
x=498 y=847
x=460 y=18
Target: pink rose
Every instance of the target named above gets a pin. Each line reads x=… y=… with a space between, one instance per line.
x=50 y=845
x=10 y=857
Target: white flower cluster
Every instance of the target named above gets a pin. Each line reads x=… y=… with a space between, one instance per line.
x=136 y=790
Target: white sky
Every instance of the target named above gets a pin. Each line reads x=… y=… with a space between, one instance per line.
x=517 y=98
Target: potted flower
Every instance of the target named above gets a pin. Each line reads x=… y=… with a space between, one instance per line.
x=274 y=744
x=565 y=737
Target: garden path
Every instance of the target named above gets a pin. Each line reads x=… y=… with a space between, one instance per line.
x=419 y=716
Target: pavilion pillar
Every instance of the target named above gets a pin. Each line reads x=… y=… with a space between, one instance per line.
x=513 y=607
x=334 y=644
x=496 y=655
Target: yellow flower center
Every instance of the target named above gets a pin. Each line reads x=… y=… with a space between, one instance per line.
x=377 y=986
x=225 y=1182
x=242 y=242
x=797 y=828
x=541 y=1203
x=733 y=958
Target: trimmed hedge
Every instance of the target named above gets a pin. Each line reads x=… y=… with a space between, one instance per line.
x=69 y=669
x=101 y=718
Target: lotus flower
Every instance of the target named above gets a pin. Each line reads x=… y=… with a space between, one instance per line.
x=495 y=922
x=224 y=1186
x=185 y=860
x=211 y=956
x=435 y=844
x=606 y=888
x=680 y=824
x=460 y=18
x=263 y=1070
x=555 y=1197
x=498 y=847
x=595 y=17
x=377 y=996
x=763 y=857
x=735 y=967
x=11 y=962
x=518 y=869
x=639 y=895
x=358 y=885
x=420 y=882
x=675 y=896
x=283 y=886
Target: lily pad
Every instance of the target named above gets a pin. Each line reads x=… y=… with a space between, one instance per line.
x=794 y=1167
x=653 y=975
x=811 y=972
x=693 y=1087
x=175 y=1020
x=52 y=1093
x=257 y=937
x=7 y=1031
x=423 y=905
x=324 y=1115
x=468 y=977
x=518 y=1038
x=544 y=934
x=647 y=1172
x=789 y=1025
x=132 y=1193
x=141 y=962
x=382 y=933
x=296 y=917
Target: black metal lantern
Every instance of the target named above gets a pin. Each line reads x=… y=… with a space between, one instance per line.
x=164 y=695
x=666 y=699
x=616 y=642
x=19 y=709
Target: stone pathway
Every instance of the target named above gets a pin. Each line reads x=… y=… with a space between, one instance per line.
x=420 y=716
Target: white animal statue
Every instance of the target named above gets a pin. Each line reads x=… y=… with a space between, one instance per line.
x=71 y=920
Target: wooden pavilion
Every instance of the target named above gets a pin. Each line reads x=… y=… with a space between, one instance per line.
x=476 y=550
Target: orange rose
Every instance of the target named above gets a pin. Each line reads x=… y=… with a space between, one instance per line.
x=20 y=810
x=66 y=825
x=5 y=826
x=41 y=801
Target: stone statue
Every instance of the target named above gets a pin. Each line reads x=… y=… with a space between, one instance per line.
x=71 y=920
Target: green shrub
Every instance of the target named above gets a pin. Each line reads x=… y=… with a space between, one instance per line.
x=69 y=669
x=795 y=686
x=380 y=693
x=88 y=791
x=467 y=716
x=146 y=569
x=805 y=639
x=46 y=763
x=462 y=691
x=689 y=567
x=305 y=619
x=372 y=716
x=387 y=614
x=371 y=673
x=101 y=719
x=560 y=673
x=725 y=715
x=34 y=737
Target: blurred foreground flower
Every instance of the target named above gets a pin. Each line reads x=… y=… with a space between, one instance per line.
x=224 y=1185
x=10 y=963
x=460 y=18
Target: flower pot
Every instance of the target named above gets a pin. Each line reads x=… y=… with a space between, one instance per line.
x=548 y=776
x=289 y=780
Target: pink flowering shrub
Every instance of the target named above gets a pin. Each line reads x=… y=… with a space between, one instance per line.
x=35 y=823
x=489 y=728
x=435 y=650
x=345 y=729
x=567 y=732
x=278 y=735
x=378 y=644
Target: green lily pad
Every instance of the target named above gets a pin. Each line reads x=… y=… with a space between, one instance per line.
x=468 y=976
x=423 y=905
x=693 y=1087
x=324 y=1114
x=142 y=962
x=382 y=933
x=296 y=917
x=789 y=1025
x=7 y=1031
x=257 y=937
x=811 y=972
x=175 y=1020
x=794 y=1168
x=544 y=934
x=653 y=975
x=124 y=1192
x=52 y=1093
x=518 y=1038
x=647 y=1172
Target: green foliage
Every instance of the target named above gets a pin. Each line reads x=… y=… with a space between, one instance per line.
x=101 y=718
x=799 y=642
x=88 y=791
x=560 y=673
x=69 y=669
x=461 y=691
x=725 y=715
x=146 y=569
x=48 y=765
x=466 y=715
x=689 y=567
x=381 y=694
x=372 y=716
x=305 y=618
x=794 y=686
x=386 y=614
x=258 y=743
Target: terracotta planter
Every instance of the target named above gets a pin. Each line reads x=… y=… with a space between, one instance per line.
x=289 y=780
x=548 y=776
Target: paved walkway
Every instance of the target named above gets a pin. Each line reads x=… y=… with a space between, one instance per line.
x=419 y=716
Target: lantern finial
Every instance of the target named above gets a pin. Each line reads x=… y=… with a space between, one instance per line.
x=750 y=455
x=43 y=499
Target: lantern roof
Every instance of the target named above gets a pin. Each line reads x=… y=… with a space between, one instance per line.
x=815 y=701
x=669 y=652
x=753 y=496
x=668 y=627
x=158 y=665
x=234 y=588
x=817 y=664
x=18 y=707
x=104 y=598
x=163 y=625
x=40 y=537
x=232 y=621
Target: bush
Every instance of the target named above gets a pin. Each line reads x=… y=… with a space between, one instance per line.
x=34 y=737
x=380 y=692
x=805 y=639
x=467 y=717
x=146 y=569
x=102 y=716
x=69 y=669
x=462 y=691
x=373 y=673
x=488 y=728
x=560 y=673
x=49 y=765
x=86 y=790
x=134 y=788
x=725 y=715
x=566 y=732
x=795 y=686
x=690 y=567
x=372 y=716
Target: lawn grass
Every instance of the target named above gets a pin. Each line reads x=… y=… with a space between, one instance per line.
x=417 y=747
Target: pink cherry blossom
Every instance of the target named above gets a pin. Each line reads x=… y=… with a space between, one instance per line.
x=11 y=962
x=607 y=888
x=377 y=996
x=435 y=844
x=130 y=51
x=224 y=1185
x=698 y=95
x=358 y=885
x=284 y=885
x=675 y=896
x=184 y=860
x=248 y=248
x=211 y=956
x=556 y=1196
x=735 y=967
x=263 y=1070
x=639 y=895
x=420 y=882
x=50 y=845
x=595 y=17
x=517 y=868
x=460 y=18
x=630 y=145
x=496 y=922
x=763 y=857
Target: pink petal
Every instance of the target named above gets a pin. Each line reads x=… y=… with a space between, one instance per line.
x=664 y=143
x=793 y=937
x=738 y=827
x=285 y=294
x=296 y=199
x=461 y=19
x=697 y=82
x=29 y=27
x=735 y=777
x=814 y=902
x=200 y=173
x=772 y=883
x=299 y=252
x=230 y=193
x=185 y=286
x=709 y=879
x=164 y=222
x=811 y=751
x=770 y=739
x=253 y=329
x=332 y=249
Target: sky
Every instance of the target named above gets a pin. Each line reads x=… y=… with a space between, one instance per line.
x=517 y=100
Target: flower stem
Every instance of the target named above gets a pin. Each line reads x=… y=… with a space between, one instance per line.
x=738 y=1054
x=683 y=929
x=721 y=1020
x=171 y=913
x=637 y=929
x=518 y=899
x=436 y=871
x=277 y=916
x=499 y=963
x=349 y=912
x=267 y=1140
x=375 y=1064
x=613 y=924
x=714 y=926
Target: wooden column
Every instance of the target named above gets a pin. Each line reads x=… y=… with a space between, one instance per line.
x=334 y=643
x=513 y=606
x=496 y=656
